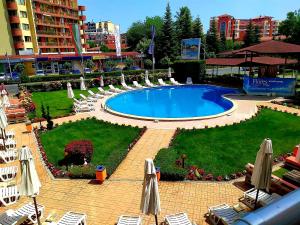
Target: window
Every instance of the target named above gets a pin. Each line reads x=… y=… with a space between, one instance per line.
x=25 y=26
x=223 y=27
x=27 y=39
x=23 y=14
x=21 y=2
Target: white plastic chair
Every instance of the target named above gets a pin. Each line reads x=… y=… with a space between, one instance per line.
x=178 y=219
x=9 y=195
x=189 y=80
x=161 y=82
x=114 y=89
x=88 y=99
x=129 y=220
x=8 y=156
x=102 y=91
x=136 y=84
x=73 y=218
x=125 y=86
x=94 y=95
x=173 y=81
x=223 y=213
x=149 y=84
x=8 y=173
x=10 y=144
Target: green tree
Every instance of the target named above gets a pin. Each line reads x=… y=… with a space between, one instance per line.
x=250 y=35
x=290 y=27
x=19 y=67
x=49 y=119
x=67 y=66
x=167 y=43
x=129 y=62
x=198 y=29
x=89 y=64
x=44 y=115
x=165 y=62
x=110 y=64
x=135 y=33
x=184 y=28
x=143 y=45
x=212 y=39
x=91 y=44
x=223 y=46
x=148 y=63
x=104 y=48
x=257 y=34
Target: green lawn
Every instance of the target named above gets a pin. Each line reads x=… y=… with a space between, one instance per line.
x=280 y=172
x=226 y=150
x=110 y=141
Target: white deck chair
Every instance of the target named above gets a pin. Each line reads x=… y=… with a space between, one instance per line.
x=125 y=86
x=8 y=173
x=9 y=195
x=26 y=213
x=137 y=85
x=114 y=89
x=102 y=91
x=94 y=95
x=9 y=134
x=9 y=143
x=73 y=218
x=82 y=102
x=161 y=82
x=8 y=156
x=263 y=198
x=88 y=99
x=223 y=213
x=189 y=80
x=149 y=84
x=173 y=81
x=129 y=220
x=178 y=219
x=81 y=108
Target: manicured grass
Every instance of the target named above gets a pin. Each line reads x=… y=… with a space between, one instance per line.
x=110 y=141
x=226 y=150
x=280 y=172
x=59 y=103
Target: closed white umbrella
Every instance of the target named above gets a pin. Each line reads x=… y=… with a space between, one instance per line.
x=70 y=90
x=3 y=123
x=146 y=75
x=169 y=72
x=122 y=78
x=82 y=85
x=5 y=99
x=30 y=184
x=262 y=171
x=101 y=81
x=150 y=202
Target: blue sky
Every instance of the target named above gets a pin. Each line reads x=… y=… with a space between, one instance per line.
x=125 y=12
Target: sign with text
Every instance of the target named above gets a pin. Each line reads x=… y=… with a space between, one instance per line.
x=190 y=48
x=270 y=86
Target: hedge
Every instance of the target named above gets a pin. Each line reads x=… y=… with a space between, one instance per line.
x=189 y=68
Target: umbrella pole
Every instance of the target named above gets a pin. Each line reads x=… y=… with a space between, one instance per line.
x=36 y=211
x=3 y=138
x=156 y=221
x=256 y=198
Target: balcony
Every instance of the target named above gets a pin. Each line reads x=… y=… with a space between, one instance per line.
x=50 y=23
x=50 y=33
x=19 y=45
x=83 y=27
x=81 y=8
x=55 y=45
x=16 y=32
x=82 y=18
x=14 y=19
x=11 y=5
x=56 y=3
x=59 y=14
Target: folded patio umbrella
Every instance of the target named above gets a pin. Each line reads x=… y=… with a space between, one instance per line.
x=70 y=90
x=150 y=202
x=3 y=123
x=30 y=184
x=82 y=85
x=101 y=81
x=262 y=171
x=147 y=75
x=5 y=99
x=169 y=72
x=122 y=78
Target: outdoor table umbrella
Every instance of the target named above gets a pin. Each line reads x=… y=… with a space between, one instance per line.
x=262 y=171
x=5 y=99
x=101 y=81
x=150 y=202
x=70 y=90
x=169 y=72
x=82 y=85
x=3 y=123
x=122 y=78
x=146 y=75
x=30 y=183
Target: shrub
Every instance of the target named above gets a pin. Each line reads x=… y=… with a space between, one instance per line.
x=82 y=172
x=77 y=152
x=189 y=68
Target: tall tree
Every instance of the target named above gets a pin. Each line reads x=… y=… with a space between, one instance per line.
x=257 y=34
x=167 y=44
x=250 y=35
x=223 y=46
x=290 y=27
x=198 y=29
x=212 y=39
x=183 y=23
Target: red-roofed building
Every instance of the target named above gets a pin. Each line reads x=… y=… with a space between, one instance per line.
x=230 y=25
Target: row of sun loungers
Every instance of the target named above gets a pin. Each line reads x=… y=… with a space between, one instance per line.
x=27 y=215
x=8 y=173
x=8 y=156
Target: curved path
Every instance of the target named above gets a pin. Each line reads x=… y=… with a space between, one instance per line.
x=121 y=195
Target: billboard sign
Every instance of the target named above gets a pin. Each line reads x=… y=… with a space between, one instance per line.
x=270 y=86
x=190 y=48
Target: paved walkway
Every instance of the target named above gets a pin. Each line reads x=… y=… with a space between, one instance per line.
x=280 y=107
x=103 y=204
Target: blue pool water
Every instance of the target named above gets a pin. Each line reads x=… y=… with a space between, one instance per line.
x=173 y=101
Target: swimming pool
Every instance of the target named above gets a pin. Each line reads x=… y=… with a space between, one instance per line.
x=173 y=102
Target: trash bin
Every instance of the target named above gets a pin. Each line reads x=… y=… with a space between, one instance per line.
x=157 y=173
x=101 y=173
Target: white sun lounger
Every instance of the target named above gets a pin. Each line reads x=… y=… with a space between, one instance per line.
x=94 y=95
x=173 y=81
x=82 y=102
x=161 y=82
x=114 y=89
x=8 y=173
x=24 y=214
x=149 y=84
x=73 y=218
x=9 y=195
x=223 y=214
x=10 y=144
x=9 y=134
x=189 y=80
x=136 y=84
x=8 y=156
x=263 y=198
x=125 y=86
x=88 y=99
x=178 y=219
x=83 y=108
x=102 y=91
x=129 y=220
